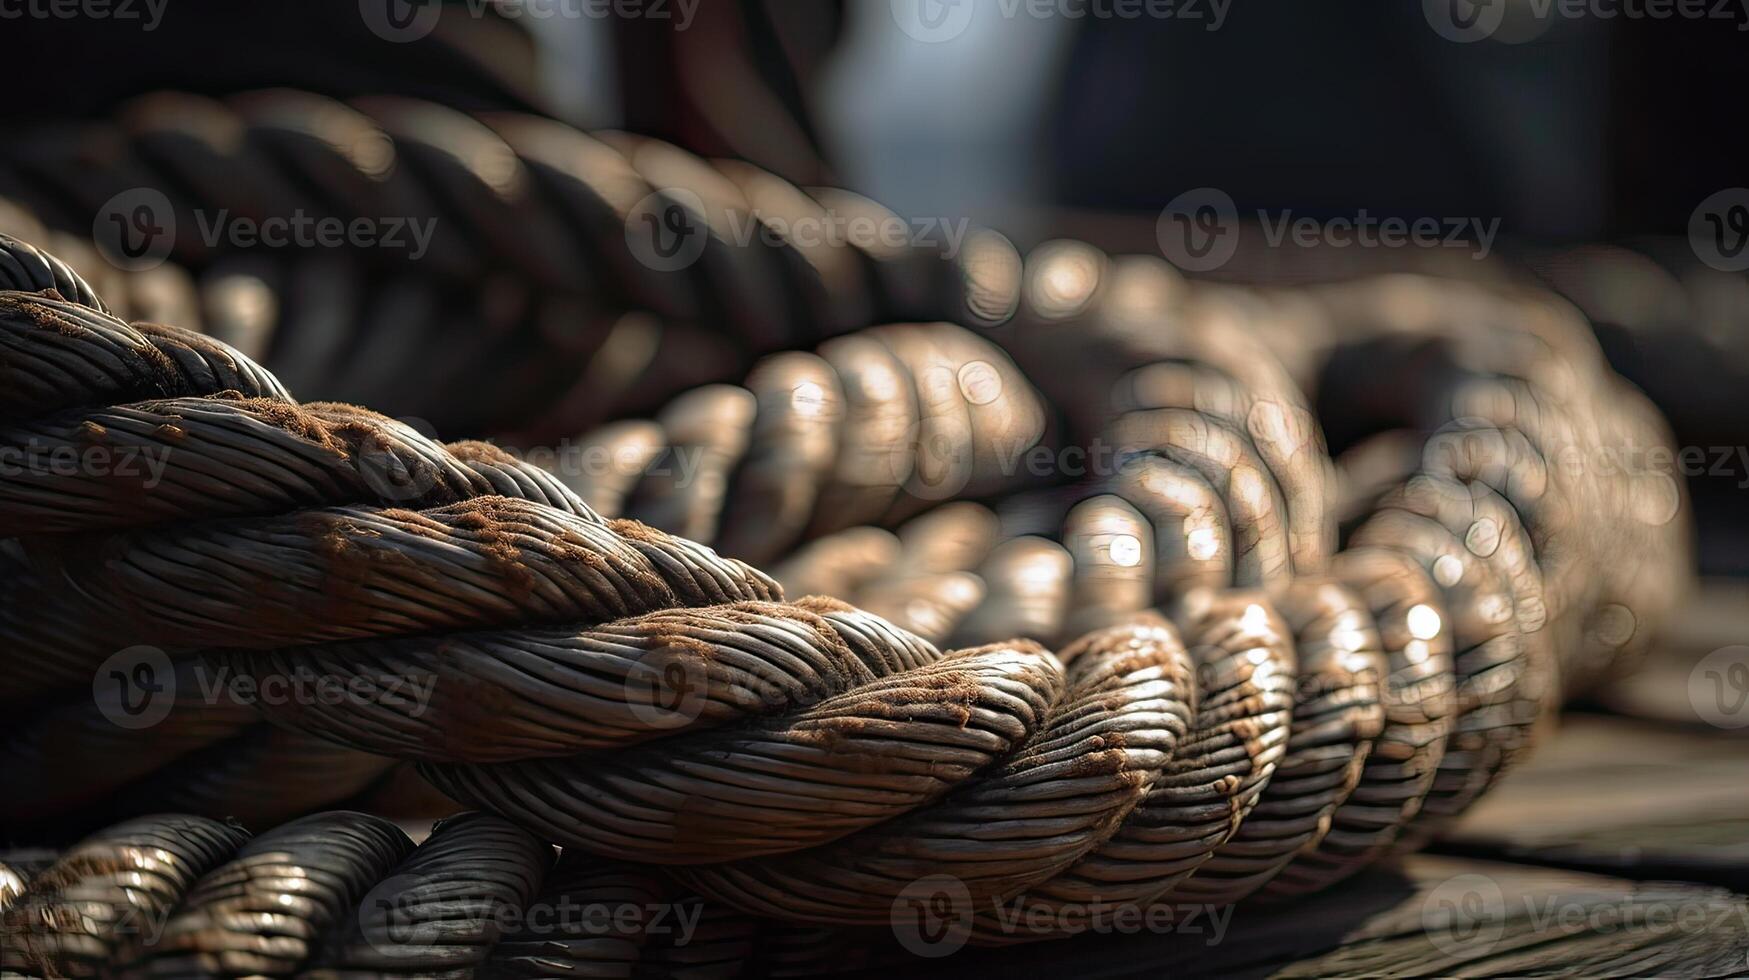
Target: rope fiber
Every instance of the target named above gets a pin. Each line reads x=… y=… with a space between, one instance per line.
x=1233 y=705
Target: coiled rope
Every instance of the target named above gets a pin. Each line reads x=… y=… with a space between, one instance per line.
x=619 y=690
x=346 y=894
x=540 y=237
x=212 y=758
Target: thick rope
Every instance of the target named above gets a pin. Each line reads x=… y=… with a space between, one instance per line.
x=889 y=377
x=625 y=692
x=347 y=895
x=545 y=234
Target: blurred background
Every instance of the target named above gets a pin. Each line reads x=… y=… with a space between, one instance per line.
x=1579 y=140
x=562 y=217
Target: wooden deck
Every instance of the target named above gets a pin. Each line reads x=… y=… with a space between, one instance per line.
x=1620 y=850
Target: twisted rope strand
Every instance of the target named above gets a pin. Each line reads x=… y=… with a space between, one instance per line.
x=807 y=761
x=552 y=234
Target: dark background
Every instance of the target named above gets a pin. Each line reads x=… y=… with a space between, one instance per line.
x=1581 y=130
x=1592 y=129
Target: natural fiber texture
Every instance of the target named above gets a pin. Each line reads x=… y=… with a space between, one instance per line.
x=871 y=428
x=27 y=269
x=630 y=268
x=338 y=453
x=626 y=692
x=345 y=894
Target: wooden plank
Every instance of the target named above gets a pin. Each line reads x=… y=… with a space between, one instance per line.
x=1622 y=797
x=1697 y=672
x=1432 y=916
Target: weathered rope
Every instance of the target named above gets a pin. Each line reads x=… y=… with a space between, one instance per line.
x=545 y=234
x=345 y=894
x=871 y=428
x=905 y=392
x=25 y=268
x=626 y=692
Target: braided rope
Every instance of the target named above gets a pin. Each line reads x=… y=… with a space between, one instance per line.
x=363 y=457
x=345 y=894
x=544 y=233
x=827 y=761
